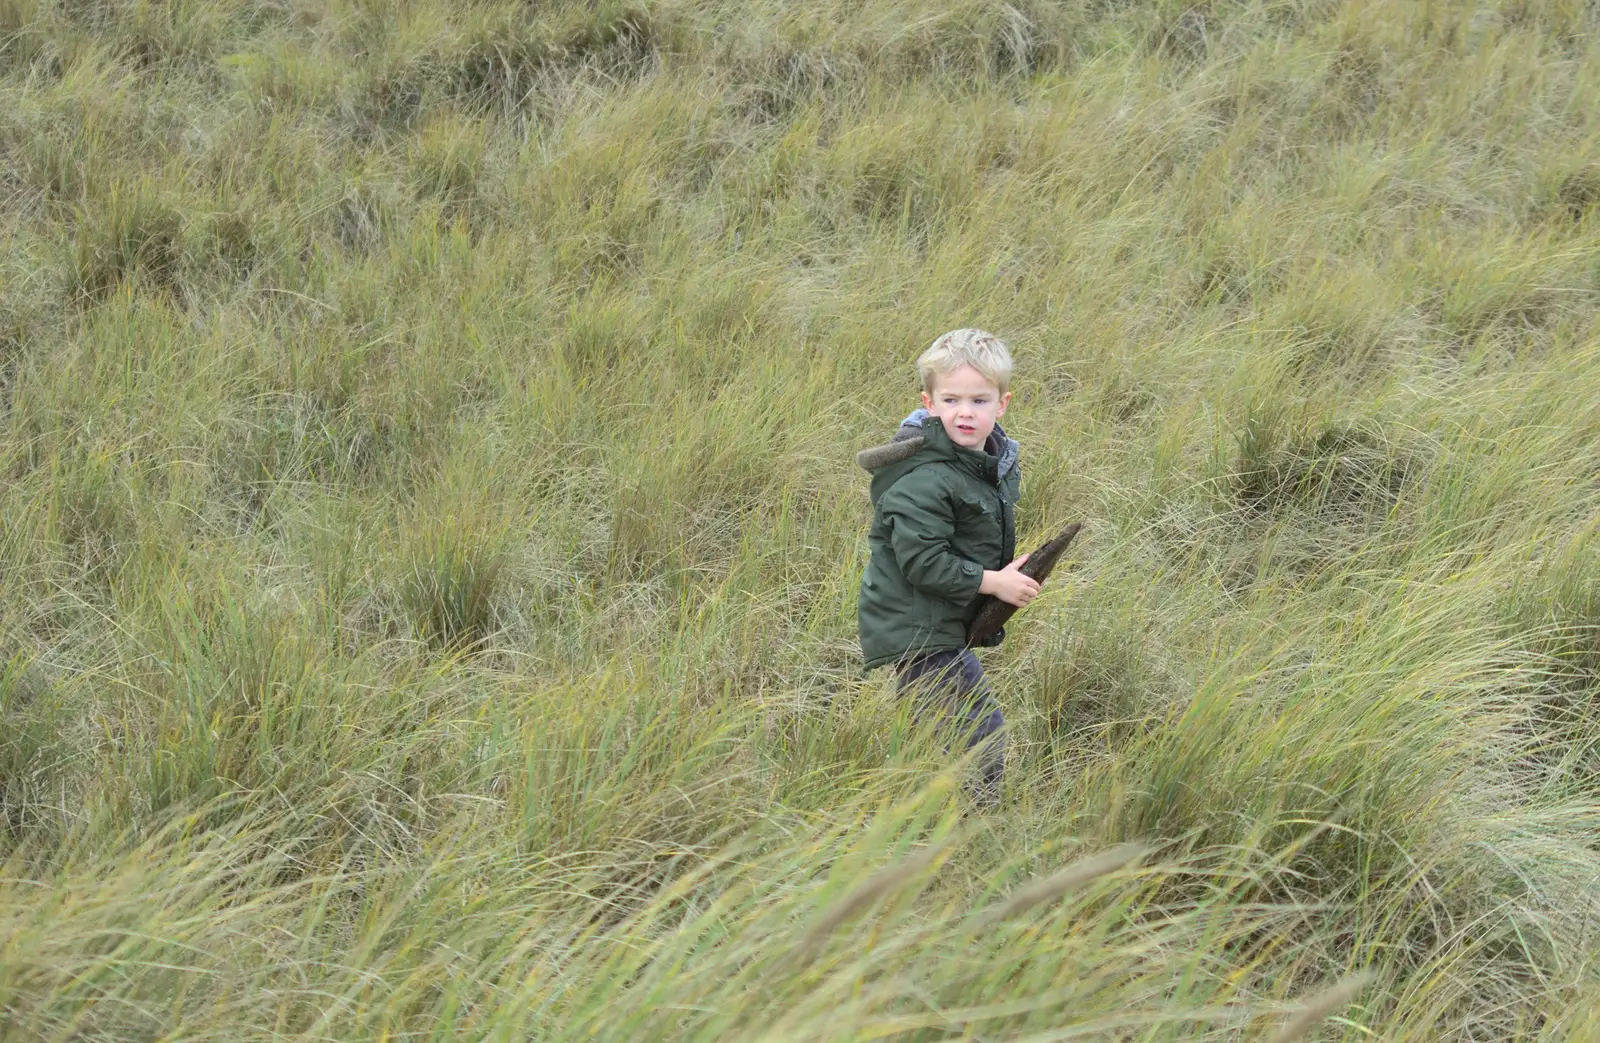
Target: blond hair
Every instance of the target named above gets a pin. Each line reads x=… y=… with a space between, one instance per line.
x=983 y=351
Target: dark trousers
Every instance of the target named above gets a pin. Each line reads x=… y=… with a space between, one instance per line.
x=951 y=685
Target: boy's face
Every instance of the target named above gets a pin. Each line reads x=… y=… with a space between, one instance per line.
x=967 y=404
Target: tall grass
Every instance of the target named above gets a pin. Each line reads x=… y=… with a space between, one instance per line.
x=429 y=531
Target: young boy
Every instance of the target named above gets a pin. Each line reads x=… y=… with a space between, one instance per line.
x=943 y=493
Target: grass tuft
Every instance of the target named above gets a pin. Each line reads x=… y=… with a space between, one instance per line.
x=27 y=752
x=1282 y=459
x=134 y=233
x=448 y=161
x=452 y=586
x=1579 y=192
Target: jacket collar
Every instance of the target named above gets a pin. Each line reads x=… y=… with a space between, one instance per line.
x=921 y=434
x=1005 y=449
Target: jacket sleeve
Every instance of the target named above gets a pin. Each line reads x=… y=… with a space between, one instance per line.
x=921 y=524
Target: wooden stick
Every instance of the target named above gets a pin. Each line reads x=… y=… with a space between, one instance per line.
x=992 y=612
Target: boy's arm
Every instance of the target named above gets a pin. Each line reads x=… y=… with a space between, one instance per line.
x=920 y=530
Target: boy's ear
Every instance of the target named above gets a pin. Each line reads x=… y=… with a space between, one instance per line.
x=1005 y=400
x=927 y=403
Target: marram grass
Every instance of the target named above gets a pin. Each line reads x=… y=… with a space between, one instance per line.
x=429 y=530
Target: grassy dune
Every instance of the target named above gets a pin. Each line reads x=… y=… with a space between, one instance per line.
x=429 y=530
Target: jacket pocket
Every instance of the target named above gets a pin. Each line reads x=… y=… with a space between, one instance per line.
x=975 y=506
x=979 y=528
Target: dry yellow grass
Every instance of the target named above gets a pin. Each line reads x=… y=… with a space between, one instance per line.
x=429 y=533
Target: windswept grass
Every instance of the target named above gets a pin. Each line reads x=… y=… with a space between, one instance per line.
x=429 y=533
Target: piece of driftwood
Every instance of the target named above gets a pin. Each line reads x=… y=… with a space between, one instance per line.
x=992 y=612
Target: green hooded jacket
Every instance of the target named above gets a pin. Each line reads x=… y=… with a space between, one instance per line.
x=942 y=514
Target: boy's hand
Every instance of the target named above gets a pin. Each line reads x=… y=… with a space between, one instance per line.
x=1009 y=585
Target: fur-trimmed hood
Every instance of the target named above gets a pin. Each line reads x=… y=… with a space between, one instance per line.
x=909 y=439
